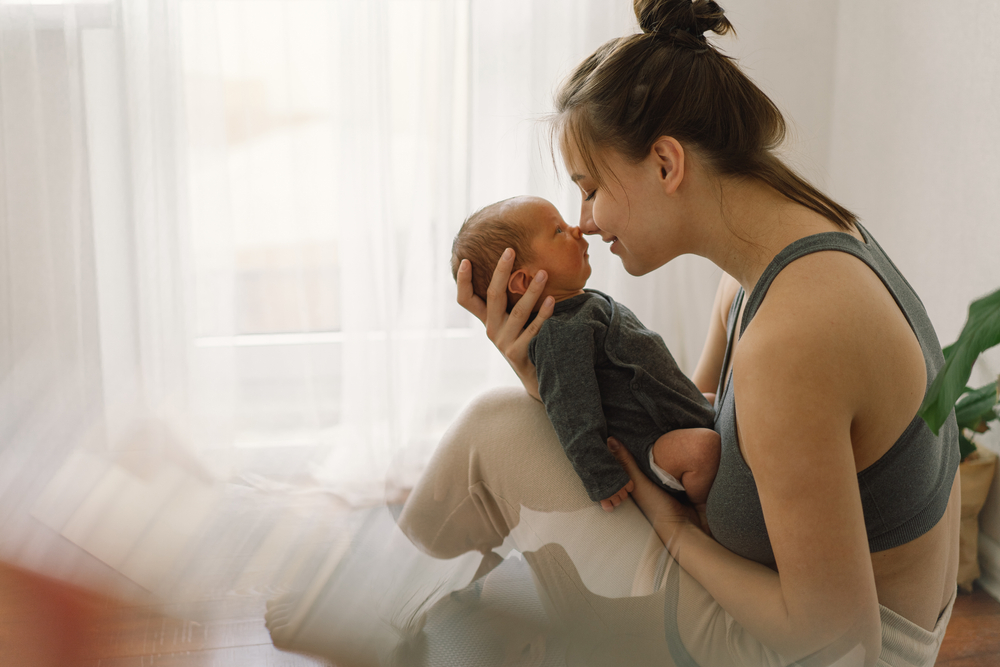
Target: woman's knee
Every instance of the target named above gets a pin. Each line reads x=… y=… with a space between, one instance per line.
x=448 y=512
x=494 y=423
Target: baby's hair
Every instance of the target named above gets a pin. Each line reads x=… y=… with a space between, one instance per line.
x=482 y=239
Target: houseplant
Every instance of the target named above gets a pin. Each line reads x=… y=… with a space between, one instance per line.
x=974 y=410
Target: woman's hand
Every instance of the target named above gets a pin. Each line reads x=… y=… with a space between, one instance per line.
x=507 y=331
x=668 y=517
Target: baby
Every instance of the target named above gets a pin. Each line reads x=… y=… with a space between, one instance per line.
x=600 y=372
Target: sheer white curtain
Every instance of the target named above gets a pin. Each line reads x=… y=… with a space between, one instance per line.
x=225 y=240
x=335 y=147
x=328 y=144
x=92 y=235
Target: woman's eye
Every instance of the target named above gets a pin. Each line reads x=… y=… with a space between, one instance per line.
x=591 y=195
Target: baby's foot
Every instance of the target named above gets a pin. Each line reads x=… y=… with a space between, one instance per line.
x=609 y=504
x=691 y=456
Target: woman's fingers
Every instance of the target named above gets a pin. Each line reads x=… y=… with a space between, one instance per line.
x=625 y=459
x=521 y=311
x=544 y=312
x=513 y=338
x=496 y=295
x=506 y=331
x=466 y=297
x=510 y=339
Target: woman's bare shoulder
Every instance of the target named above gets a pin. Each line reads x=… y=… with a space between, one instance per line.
x=829 y=326
x=828 y=294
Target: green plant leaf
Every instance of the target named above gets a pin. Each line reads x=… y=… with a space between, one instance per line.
x=981 y=332
x=977 y=406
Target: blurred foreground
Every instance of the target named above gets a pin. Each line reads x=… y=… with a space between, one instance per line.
x=48 y=623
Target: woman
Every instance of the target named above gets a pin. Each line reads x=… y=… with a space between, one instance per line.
x=834 y=515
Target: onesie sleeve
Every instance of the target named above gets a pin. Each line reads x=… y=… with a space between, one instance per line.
x=564 y=354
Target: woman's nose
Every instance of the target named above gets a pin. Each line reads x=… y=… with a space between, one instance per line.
x=587 y=224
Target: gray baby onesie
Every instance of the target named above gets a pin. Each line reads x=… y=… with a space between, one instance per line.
x=602 y=373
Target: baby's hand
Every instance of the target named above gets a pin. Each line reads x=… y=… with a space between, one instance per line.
x=609 y=504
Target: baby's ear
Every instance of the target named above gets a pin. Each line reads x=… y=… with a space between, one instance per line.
x=519 y=281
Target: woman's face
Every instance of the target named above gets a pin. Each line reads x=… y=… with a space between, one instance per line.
x=629 y=211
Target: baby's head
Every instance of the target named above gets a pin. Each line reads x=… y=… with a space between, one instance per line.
x=540 y=238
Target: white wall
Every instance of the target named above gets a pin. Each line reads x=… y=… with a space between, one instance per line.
x=788 y=48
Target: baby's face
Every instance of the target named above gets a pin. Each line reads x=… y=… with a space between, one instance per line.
x=559 y=249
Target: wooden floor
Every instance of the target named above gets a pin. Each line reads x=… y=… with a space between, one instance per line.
x=973 y=636
x=44 y=623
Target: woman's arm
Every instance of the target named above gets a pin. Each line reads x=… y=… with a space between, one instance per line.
x=709 y=369
x=797 y=398
x=507 y=331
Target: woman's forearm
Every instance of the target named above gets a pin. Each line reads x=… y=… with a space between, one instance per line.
x=753 y=595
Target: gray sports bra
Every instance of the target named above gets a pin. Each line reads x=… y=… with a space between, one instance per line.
x=904 y=493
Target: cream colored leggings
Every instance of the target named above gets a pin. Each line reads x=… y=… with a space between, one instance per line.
x=500 y=479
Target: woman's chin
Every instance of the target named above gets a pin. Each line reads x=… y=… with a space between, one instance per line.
x=634 y=267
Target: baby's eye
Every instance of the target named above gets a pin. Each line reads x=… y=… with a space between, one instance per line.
x=559 y=230
x=591 y=194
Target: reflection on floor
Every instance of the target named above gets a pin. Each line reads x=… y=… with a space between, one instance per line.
x=251 y=544
x=182 y=567
x=48 y=624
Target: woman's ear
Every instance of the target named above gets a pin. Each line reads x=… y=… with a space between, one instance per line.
x=519 y=281
x=668 y=155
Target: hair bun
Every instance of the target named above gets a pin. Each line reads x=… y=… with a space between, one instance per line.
x=710 y=16
x=695 y=18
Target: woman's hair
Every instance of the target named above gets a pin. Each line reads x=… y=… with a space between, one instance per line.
x=669 y=81
x=482 y=239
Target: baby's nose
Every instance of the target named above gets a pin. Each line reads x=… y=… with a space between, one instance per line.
x=576 y=232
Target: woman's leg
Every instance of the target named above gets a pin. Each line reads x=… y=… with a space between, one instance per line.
x=500 y=472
